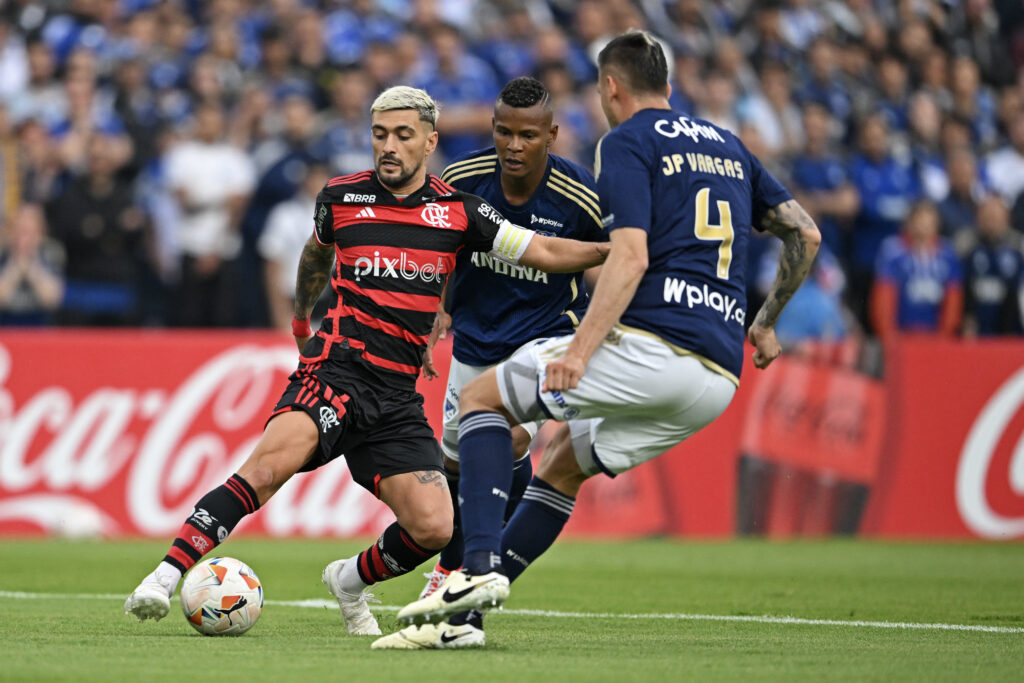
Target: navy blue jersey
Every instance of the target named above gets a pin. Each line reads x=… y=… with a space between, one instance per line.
x=495 y=307
x=696 y=191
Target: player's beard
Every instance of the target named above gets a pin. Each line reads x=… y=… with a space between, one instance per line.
x=403 y=177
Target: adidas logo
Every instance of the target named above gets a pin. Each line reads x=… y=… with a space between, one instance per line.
x=367 y=212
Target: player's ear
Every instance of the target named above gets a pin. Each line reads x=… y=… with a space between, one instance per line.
x=668 y=91
x=553 y=134
x=612 y=86
x=431 y=142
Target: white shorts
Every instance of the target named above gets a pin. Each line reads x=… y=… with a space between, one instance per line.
x=637 y=399
x=459 y=375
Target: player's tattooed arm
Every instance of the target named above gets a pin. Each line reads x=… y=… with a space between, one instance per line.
x=800 y=240
x=314 y=271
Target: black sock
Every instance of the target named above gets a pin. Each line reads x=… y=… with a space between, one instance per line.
x=451 y=556
x=394 y=554
x=534 y=527
x=212 y=519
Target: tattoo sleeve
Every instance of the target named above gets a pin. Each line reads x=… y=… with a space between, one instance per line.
x=314 y=271
x=800 y=239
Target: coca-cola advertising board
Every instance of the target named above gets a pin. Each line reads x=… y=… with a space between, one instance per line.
x=954 y=459
x=119 y=433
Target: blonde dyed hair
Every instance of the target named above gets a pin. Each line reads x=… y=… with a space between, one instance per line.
x=405 y=97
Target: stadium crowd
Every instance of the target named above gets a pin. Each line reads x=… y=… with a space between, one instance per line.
x=160 y=158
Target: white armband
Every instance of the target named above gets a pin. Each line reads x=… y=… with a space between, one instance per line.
x=510 y=242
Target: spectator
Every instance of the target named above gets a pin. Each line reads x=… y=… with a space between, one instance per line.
x=957 y=210
x=31 y=284
x=718 y=102
x=994 y=275
x=773 y=112
x=346 y=140
x=925 y=120
x=887 y=187
x=893 y=91
x=288 y=228
x=821 y=182
x=919 y=284
x=103 y=233
x=1005 y=167
x=972 y=101
x=212 y=182
x=823 y=84
x=466 y=87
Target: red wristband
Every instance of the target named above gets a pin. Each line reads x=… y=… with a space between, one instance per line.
x=301 y=328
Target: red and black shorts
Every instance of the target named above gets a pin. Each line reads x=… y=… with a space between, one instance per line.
x=381 y=431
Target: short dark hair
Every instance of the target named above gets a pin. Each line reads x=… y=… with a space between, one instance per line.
x=525 y=92
x=639 y=58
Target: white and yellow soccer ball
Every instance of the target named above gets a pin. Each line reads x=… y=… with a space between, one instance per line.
x=222 y=596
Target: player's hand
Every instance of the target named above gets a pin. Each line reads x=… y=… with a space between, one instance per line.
x=442 y=323
x=563 y=374
x=766 y=346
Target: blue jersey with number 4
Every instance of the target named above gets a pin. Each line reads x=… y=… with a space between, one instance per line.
x=696 y=191
x=495 y=307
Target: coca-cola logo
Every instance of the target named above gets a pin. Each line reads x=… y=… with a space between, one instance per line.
x=134 y=459
x=979 y=450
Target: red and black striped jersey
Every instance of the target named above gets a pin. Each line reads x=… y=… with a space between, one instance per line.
x=392 y=258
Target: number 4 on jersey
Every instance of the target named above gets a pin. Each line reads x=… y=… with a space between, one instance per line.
x=722 y=232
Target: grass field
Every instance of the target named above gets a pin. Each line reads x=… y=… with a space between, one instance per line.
x=645 y=610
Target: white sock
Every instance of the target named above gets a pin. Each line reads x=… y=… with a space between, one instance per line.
x=168 y=575
x=349 y=578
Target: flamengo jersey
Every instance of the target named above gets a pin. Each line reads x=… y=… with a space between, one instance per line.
x=697 y=191
x=495 y=307
x=392 y=258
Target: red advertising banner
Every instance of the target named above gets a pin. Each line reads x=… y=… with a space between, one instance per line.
x=954 y=459
x=120 y=433
x=819 y=418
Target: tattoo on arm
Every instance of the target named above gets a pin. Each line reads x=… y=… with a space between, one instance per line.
x=314 y=271
x=427 y=478
x=800 y=239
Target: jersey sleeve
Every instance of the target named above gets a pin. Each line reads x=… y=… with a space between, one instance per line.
x=766 y=191
x=623 y=184
x=323 y=226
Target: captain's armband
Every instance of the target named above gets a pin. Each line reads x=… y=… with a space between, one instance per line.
x=510 y=243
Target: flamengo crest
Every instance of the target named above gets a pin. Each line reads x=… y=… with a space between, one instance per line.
x=328 y=418
x=436 y=215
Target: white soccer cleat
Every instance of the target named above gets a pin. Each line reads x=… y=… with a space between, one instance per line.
x=443 y=636
x=434 y=580
x=150 y=600
x=354 y=610
x=460 y=592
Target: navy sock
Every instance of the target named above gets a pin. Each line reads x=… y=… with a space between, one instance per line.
x=485 y=455
x=534 y=527
x=522 y=473
x=394 y=554
x=212 y=519
x=451 y=556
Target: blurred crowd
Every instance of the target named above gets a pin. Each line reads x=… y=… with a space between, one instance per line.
x=160 y=158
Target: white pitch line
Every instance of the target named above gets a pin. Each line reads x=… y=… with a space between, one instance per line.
x=765 y=619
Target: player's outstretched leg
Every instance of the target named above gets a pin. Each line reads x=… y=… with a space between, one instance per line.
x=422 y=505
x=212 y=519
x=349 y=579
x=285 y=446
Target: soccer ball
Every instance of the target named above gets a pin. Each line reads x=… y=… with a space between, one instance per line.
x=222 y=596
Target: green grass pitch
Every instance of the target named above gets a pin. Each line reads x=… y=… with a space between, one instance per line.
x=600 y=604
